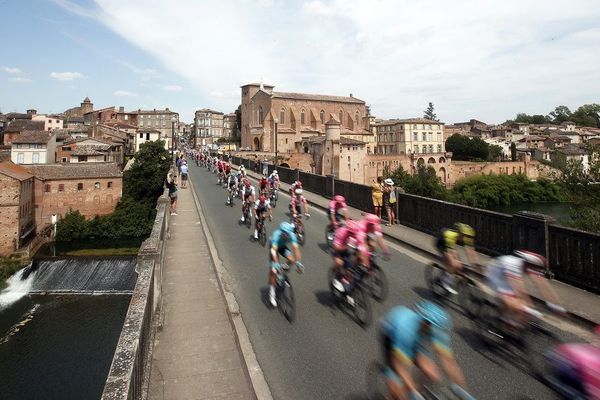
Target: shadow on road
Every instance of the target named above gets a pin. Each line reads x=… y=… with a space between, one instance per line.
x=324 y=247
x=264 y=296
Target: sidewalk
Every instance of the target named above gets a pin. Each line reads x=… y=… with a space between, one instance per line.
x=196 y=355
x=581 y=304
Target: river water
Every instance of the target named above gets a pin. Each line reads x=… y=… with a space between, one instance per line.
x=560 y=211
x=59 y=347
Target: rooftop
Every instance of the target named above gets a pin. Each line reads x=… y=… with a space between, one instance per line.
x=208 y=110
x=75 y=171
x=14 y=171
x=90 y=150
x=343 y=140
x=20 y=125
x=409 y=121
x=316 y=97
x=38 y=137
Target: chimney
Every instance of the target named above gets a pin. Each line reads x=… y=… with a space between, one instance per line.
x=350 y=94
x=32 y=111
x=166 y=108
x=121 y=109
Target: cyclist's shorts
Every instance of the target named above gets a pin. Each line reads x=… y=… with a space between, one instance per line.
x=281 y=250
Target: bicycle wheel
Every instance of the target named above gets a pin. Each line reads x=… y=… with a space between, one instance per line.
x=287 y=303
x=362 y=305
x=378 y=283
x=537 y=342
x=468 y=296
x=433 y=276
x=376 y=382
x=262 y=235
x=248 y=219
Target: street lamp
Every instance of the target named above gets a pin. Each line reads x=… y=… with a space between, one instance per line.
x=276 y=152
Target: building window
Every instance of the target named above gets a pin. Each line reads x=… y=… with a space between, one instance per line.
x=414 y=126
x=141 y=135
x=47 y=188
x=109 y=185
x=439 y=136
x=416 y=148
x=430 y=136
x=424 y=136
x=35 y=158
x=431 y=148
x=302 y=117
x=80 y=186
x=415 y=137
x=439 y=148
x=357 y=118
x=97 y=185
x=61 y=187
x=424 y=148
x=282 y=116
x=322 y=115
x=20 y=158
x=260 y=115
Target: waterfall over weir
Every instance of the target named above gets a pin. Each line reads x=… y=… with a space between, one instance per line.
x=84 y=275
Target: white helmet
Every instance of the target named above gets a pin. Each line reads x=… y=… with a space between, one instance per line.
x=298 y=191
x=274 y=172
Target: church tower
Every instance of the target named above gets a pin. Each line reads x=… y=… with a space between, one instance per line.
x=86 y=106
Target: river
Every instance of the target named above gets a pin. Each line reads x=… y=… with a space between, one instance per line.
x=560 y=211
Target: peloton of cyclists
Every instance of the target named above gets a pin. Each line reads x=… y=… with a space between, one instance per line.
x=338 y=211
x=446 y=242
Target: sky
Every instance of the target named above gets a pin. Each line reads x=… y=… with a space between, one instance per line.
x=482 y=59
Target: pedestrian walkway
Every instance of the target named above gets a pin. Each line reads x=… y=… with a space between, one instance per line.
x=579 y=302
x=196 y=354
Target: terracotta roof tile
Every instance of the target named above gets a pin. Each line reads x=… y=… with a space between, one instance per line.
x=316 y=97
x=33 y=137
x=14 y=171
x=75 y=171
x=20 y=125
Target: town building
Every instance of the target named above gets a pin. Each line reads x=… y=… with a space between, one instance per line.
x=562 y=157
x=276 y=121
x=230 y=126
x=208 y=123
x=16 y=126
x=165 y=121
x=34 y=147
x=89 y=150
x=91 y=188
x=17 y=218
x=51 y=122
x=410 y=136
x=147 y=135
x=74 y=116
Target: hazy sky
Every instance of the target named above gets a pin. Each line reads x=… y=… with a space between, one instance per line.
x=483 y=59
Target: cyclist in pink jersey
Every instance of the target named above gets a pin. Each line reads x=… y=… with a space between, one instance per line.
x=370 y=232
x=338 y=210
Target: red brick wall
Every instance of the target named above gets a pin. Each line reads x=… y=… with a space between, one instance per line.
x=9 y=214
x=89 y=201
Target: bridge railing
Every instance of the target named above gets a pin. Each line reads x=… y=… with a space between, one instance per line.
x=573 y=255
x=128 y=376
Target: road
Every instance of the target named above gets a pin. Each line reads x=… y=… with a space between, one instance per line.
x=325 y=354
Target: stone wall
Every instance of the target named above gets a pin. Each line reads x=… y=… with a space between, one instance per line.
x=464 y=169
x=16 y=212
x=89 y=200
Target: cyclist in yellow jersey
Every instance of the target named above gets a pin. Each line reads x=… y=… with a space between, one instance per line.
x=448 y=239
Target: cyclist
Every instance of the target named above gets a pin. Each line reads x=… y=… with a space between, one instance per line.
x=338 y=211
x=263 y=185
x=346 y=237
x=294 y=186
x=242 y=170
x=461 y=234
x=232 y=182
x=296 y=202
x=281 y=241
x=248 y=194
x=370 y=232
x=274 y=180
x=227 y=169
x=406 y=335
x=505 y=276
x=261 y=206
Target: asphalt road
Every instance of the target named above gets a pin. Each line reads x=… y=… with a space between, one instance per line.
x=325 y=354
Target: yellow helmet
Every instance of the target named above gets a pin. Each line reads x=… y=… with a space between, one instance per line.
x=464 y=229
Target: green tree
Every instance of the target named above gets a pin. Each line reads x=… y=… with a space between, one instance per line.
x=429 y=113
x=72 y=226
x=560 y=115
x=513 y=151
x=144 y=181
x=466 y=149
x=587 y=115
x=495 y=153
x=424 y=183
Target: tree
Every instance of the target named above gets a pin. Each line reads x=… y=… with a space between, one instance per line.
x=560 y=115
x=144 y=181
x=587 y=115
x=424 y=183
x=513 y=151
x=495 y=153
x=532 y=119
x=429 y=113
x=467 y=149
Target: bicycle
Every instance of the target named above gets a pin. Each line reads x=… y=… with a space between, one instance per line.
x=378 y=390
x=299 y=228
x=376 y=280
x=274 y=197
x=247 y=214
x=355 y=295
x=230 y=197
x=463 y=284
x=262 y=230
x=284 y=292
x=528 y=342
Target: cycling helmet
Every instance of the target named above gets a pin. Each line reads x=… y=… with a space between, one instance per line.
x=372 y=219
x=464 y=229
x=433 y=314
x=246 y=183
x=275 y=172
x=339 y=198
x=262 y=198
x=531 y=258
x=298 y=191
x=286 y=228
x=298 y=184
x=242 y=168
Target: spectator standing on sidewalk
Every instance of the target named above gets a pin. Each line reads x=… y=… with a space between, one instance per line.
x=389 y=200
x=377 y=195
x=184 y=174
x=172 y=186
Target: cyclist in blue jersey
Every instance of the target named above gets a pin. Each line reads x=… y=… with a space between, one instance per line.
x=284 y=243
x=407 y=335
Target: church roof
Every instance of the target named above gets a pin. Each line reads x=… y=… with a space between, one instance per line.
x=316 y=97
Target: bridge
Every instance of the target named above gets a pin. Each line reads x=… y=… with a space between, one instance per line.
x=203 y=283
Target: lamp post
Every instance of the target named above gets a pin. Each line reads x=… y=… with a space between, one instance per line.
x=173 y=141
x=276 y=152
